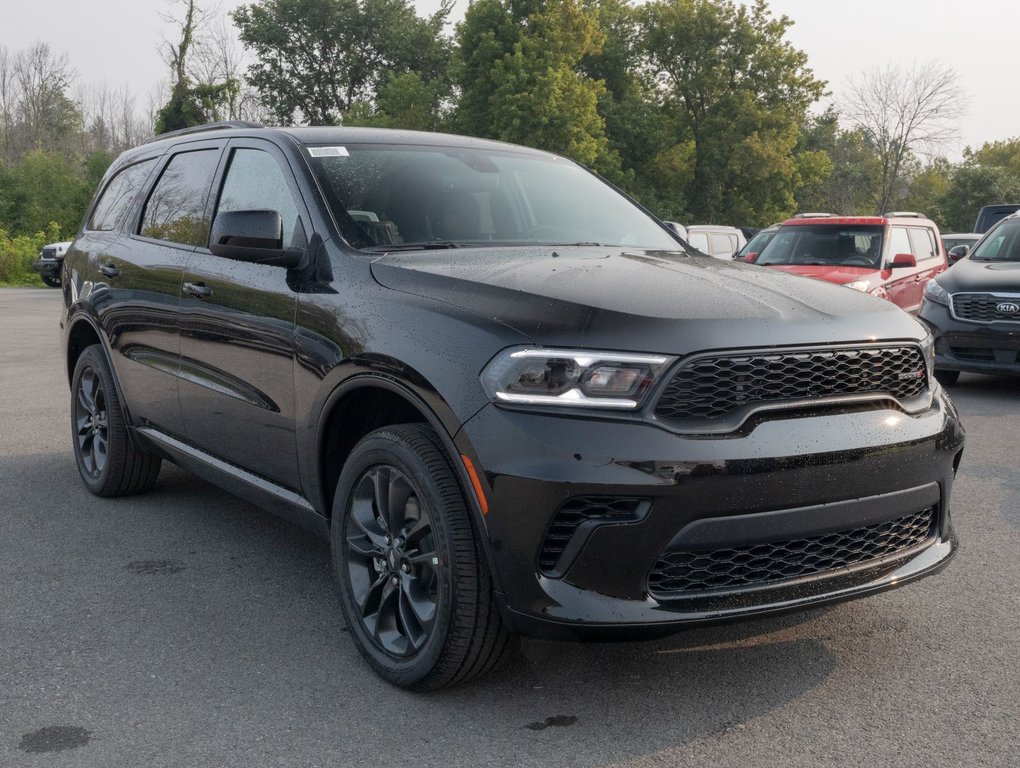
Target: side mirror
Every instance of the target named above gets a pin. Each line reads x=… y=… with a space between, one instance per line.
x=252 y=236
x=751 y=257
x=957 y=252
x=677 y=229
x=901 y=260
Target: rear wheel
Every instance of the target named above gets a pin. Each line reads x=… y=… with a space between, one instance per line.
x=108 y=463
x=947 y=378
x=414 y=583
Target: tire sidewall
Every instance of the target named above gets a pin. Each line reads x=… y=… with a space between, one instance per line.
x=93 y=358
x=387 y=449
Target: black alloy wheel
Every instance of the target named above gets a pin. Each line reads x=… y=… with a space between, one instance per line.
x=414 y=582
x=108 y=462
x=392 y=562
x=91 y=422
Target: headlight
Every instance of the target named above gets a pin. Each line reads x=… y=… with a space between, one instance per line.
x=573 y=378
x=859 y=285
x=936 y=294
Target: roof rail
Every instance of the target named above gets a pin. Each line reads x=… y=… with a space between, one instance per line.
x=903 y=214
x=812 y=215
x=223 y=124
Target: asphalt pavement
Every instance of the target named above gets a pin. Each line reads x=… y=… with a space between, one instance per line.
x=188 y=628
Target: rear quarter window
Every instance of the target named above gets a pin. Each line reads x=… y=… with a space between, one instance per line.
x=116 y=199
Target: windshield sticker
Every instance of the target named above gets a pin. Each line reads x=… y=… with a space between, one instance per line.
x=328 y=152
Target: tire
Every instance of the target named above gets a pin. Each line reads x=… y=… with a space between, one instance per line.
x=52 y=282
x=109 y=464
x=414 y=583
x=947 y=378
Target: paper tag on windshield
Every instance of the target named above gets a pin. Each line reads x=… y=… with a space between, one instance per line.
x=328 y=152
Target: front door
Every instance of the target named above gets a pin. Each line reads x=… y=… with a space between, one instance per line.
x=237 y=329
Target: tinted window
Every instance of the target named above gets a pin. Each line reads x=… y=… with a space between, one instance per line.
x=384 y=195
x=118 y=195
x=825 y=245
x=757 y=243
x=176 y=208
x=256 y=182
x=922 y=243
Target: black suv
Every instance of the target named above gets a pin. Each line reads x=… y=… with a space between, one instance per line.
x=509 y=397
x=973 y=308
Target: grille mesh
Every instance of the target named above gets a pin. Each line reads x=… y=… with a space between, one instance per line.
x=681 y=574
x=981 y=307
x=712 y=387
x=572 y=514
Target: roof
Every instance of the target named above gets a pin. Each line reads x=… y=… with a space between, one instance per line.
x=845 y=221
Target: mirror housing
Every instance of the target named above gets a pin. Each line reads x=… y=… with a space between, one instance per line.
x=751 y=257
x=252 y=236
x=677 y=229
x=957 y=252
x=901 y=260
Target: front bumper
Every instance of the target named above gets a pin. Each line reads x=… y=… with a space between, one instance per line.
x=802 y=475
x=992 y=348
x=48 y=267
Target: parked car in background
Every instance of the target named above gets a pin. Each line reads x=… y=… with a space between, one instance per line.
x=717 y=241
x=973 y=309
x=482 y=374
x=952 y=240
x=51 y=258
x=990 y=214
x=678 y=229
x=891 y=257
x=757 y=243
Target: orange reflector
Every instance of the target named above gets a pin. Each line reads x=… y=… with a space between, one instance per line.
x=476 y=484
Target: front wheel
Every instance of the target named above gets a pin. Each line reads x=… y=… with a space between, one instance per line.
x=52 y=282
x=414 y=583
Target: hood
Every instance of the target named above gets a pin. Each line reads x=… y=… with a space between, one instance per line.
x=637 y=300
x=838 y=274
x=994 y=276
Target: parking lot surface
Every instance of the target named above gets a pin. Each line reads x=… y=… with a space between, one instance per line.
x=188 y=628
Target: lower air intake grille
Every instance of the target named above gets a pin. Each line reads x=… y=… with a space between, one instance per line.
x=679 y=575
x=572 y=515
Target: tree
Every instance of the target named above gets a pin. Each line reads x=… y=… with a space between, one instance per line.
x=737 y=92
x=192 y=102
x=852 y=166
x=518 y=70
x=317 y=59
x=972 y=186
x=904 y=112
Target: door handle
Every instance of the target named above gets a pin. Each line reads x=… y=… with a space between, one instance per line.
x=110 y=270
x=198 y=290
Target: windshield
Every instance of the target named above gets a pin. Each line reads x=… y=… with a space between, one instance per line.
x=387 y=197
x=757 y=243
x=820 y=245
x=1003 y=244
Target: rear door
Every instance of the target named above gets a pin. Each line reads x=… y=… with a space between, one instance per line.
x=237 y=342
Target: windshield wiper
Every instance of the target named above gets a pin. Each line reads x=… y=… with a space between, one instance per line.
x=424 y=245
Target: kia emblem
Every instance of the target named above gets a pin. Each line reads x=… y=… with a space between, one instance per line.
x=1008 y=308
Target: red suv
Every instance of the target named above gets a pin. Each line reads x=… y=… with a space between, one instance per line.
x=891 y=256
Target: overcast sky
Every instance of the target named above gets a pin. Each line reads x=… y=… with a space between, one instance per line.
x=116 y=42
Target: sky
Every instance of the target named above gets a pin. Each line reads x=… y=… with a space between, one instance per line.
x=116 y=43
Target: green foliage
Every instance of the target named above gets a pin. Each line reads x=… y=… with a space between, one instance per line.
x=739 y=91
x=18 y=252
x=853 y=167
x=316 y=60
x=974 y=185
x=1000 y=154
x=518 y=72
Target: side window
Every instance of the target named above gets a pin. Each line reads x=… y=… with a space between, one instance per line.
x=899 y=242
x=923 y=244
x=176 y=208
x=699 y=240
x=255 y=182
x=721 y=243
x=118 y=195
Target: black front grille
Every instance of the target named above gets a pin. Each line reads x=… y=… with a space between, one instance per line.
x=572 y=514
x=49 y=253
x=715 y=386
x=984 y=307
x=684 y=574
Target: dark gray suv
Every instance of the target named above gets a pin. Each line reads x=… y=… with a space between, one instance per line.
x=508 y=396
